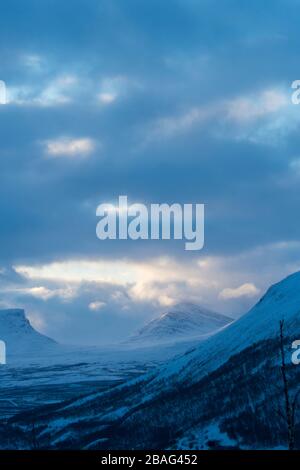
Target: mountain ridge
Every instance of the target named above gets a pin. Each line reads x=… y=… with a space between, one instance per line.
x=183 y=320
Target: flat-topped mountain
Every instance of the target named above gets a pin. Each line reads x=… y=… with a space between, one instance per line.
x=20 y=337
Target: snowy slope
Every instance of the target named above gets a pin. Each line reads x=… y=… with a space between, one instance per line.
x=184 y=320
x=220 y=381
x=281 y=301
x=20 y=337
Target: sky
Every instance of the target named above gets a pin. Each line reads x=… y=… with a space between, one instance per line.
x=181 y=101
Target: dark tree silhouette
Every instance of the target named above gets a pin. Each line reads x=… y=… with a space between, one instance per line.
x=33 y=438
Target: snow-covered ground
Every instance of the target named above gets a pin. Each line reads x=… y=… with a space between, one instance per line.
x=41 y=371
x=33 y=359
x=170 y=366
x=215 y=393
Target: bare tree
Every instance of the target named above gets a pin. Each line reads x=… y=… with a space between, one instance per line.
x=290 y=403
x=33 y=438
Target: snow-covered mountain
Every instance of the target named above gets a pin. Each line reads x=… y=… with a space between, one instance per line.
x=20 y=337
x=281 y=301
x=221 y=393
x=184 y=320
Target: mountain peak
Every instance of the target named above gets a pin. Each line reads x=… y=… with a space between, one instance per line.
x=183 y=320
x=286 y=286
x=20 y=337
x=261 y=322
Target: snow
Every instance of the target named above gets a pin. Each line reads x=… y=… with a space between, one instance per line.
x=40 y=371
x=281 y=301
x=106 y=407
x=198 y=438
x=20 y=337
x=184 y=320
x=181 y=362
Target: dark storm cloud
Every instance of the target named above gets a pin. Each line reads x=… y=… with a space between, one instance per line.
x=168 y=74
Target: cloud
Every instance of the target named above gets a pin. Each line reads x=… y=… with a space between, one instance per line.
x=37 y=321
x=70 y=147
x=244 y=110
x=170 y=126
x=112 y=88
x=208 y=127
x=39 y=292
x=65 y=293
x=107 y=98
x=96 y=305
x=257 y=105
x=136 y=290
x=54 y=92
x=245 y=290
x=163 y=294
x=111 y=271
x=162 y=281
x=58 y=91
x=33 y=61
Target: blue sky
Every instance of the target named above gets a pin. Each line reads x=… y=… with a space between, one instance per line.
x=175 y=101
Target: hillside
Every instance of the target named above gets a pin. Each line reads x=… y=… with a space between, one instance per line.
x=224 y=393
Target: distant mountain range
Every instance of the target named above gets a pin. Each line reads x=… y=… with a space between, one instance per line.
x=184 y=320
x=224 y=393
